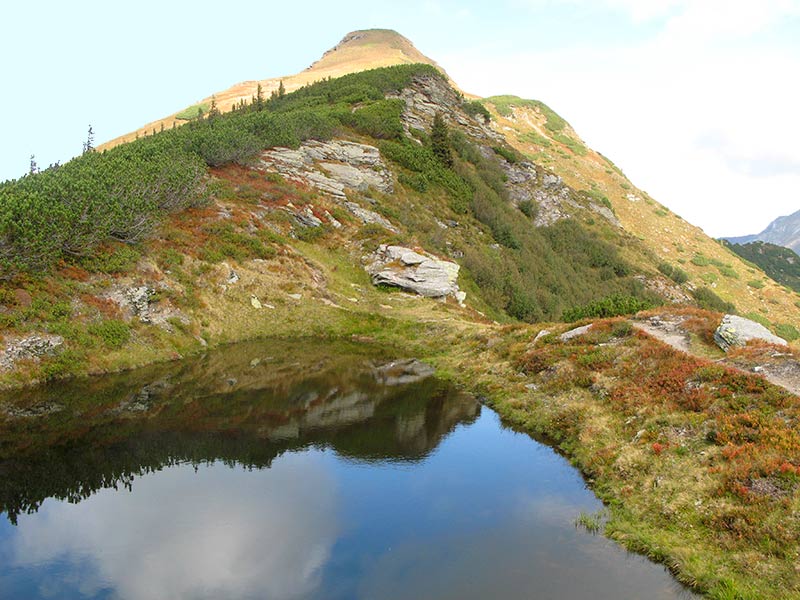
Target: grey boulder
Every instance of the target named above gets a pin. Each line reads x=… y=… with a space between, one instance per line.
x=737 y=331
x=419 y=273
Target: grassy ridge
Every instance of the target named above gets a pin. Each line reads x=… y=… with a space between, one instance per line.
x=121 y=194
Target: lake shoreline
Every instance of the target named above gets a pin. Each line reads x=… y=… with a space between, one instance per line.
x=486 y=360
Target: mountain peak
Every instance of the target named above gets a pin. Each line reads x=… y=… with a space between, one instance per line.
x=363 y=37
x=368 y=49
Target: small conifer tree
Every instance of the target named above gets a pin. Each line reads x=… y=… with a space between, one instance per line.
x=440 y=141
x=259 y=99
x=88 y=145
x=213 y=112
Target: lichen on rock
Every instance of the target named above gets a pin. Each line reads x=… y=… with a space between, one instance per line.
x=737 y=331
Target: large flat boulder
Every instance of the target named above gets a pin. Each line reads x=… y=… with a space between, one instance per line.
x=737 y=331
x=416 y=272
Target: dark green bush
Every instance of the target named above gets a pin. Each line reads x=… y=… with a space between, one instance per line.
x=529 y=208
x=380 y=120
x=536 y=272
x=118 y=258
x=708 y=300
x=475 y=108
x=506 y=153
x=611 y=306
x=114 y=333
x=117 y=195
x=123 y=193
x=677 y=274
x=416 y=181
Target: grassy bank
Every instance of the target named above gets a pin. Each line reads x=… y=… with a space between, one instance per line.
x=697 y=464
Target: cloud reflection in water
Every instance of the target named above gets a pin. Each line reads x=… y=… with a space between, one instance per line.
x=221 y=533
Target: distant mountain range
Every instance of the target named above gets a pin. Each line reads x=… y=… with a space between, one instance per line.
x=783 y=231
x=782 y=264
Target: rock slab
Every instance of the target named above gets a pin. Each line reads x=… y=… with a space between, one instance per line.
x=422 y=274
x=331 y=167
x=737 y=331
x=573 y=333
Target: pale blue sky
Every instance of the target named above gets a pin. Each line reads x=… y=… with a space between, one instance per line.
x=647 y=82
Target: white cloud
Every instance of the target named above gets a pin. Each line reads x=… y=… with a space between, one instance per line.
x=702 y=20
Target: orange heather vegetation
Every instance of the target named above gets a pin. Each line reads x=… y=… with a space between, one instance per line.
x=642 y=420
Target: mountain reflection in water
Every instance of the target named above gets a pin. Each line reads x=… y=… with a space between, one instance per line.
x=290 y=470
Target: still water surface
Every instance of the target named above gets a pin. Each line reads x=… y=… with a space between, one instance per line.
x=284 y=471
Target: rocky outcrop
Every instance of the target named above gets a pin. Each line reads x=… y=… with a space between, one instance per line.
x=305 y=217
x=737 y=331
x=429 y=95
x=137 y=301
x=422 y=274
x=367 y=216
x=606 y=213
x=134 y=301
x=32 y=347
x=331 y=167
x=666 y=288
x=526 y=184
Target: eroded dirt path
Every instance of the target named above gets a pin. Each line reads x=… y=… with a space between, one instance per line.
x=667 y=330
x=781 y=369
